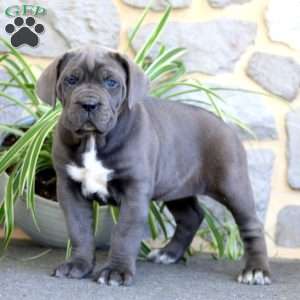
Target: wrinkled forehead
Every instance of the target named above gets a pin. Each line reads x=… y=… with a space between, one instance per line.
x=93 y=59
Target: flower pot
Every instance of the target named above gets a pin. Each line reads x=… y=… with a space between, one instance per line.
x=52 y=230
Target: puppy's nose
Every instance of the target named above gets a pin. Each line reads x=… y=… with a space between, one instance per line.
x=89 y=107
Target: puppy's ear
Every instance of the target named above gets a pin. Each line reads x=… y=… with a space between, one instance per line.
x=47 y=83
x=137 y=81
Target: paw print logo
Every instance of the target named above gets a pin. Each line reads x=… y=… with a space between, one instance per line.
x=24 y=33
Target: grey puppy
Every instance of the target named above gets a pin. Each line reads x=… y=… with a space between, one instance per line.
x=117 y=144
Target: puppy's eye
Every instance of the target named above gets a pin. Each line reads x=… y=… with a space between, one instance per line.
x=71 y=80
x=110 y=83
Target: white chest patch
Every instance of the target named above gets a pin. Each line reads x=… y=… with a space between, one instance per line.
x=92 y=176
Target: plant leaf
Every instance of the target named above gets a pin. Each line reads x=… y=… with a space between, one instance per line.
x=152 y=39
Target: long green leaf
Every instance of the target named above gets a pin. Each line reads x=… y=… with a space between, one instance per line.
x=137 y=27
x=31 y=155
x=68 y=250
x=37 y=146
x=114 y=211
x=164 y=73
x=144 y=250
x=9 y=223
x=23 y=85
x=11 y=129
x=163 y=60
x=152 y=39
x=152 y=225
x=20 y=58
x=17 y=70
x=3 y=57
x=159 y=218
x=19 y=146
x=215 y=233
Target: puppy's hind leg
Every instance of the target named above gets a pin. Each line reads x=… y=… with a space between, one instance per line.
x=188 y=216
x=236 y=194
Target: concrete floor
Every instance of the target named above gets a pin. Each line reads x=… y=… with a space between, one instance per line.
x=201 y=278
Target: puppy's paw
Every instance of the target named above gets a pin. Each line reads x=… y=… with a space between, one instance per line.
x=254 y=277
x=160 y=256
x=114 y=276
x=76 y=268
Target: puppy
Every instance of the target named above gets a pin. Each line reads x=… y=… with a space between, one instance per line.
x=117 y=144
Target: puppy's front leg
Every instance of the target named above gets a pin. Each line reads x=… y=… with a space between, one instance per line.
x=126 y=239
x=79 y=217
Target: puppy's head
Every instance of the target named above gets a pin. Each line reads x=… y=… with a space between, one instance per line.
x=94 y=85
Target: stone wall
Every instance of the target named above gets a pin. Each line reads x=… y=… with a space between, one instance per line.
x=240 y=44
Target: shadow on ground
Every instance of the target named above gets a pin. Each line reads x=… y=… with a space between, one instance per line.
x=201 y=278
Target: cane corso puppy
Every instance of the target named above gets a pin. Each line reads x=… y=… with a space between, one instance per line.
x=117 y=144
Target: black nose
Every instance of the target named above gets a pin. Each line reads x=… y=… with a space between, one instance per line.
x=89 y=107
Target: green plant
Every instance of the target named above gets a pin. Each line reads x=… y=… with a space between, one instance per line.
x=32 y=151
x=223 y=238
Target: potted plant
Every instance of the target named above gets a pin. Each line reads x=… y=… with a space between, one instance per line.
x=27 y=176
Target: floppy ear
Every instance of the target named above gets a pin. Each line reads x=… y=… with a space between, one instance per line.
x=46 y=84
x=137 y=81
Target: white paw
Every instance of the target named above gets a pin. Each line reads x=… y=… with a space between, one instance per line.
x=254 y=277
x=101 y=281
x=113 y=282
x=159 y=257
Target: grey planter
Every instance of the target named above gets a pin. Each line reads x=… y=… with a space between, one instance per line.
x=50 y=218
